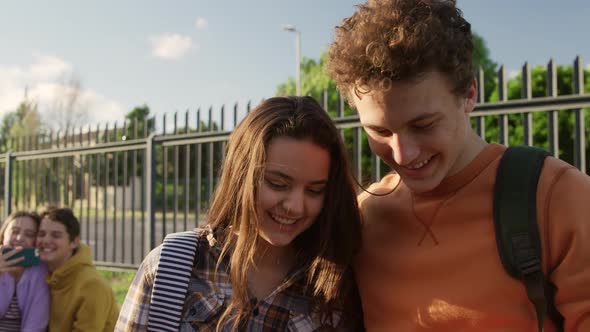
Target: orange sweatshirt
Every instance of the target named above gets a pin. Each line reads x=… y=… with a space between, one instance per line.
x=430 y=263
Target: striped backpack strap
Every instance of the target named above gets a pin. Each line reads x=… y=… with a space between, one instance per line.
x=173 y=274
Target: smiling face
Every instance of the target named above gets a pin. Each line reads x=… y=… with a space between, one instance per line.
x=420 y=129
x=54 y=243
x=21 y=232
x=291 y=195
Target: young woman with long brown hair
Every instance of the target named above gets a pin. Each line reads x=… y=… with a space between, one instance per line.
x=282 y=230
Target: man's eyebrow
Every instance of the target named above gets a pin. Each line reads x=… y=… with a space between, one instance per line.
x=420 y=117
x=425 y=116
x=285 y=176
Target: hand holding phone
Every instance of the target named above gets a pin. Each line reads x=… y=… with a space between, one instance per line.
x=6 y=263
x=24 y=257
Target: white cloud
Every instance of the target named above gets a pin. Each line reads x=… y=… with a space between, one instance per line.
x=43 y=80
x=201 y=23
x=48 y=67
x=102 y=109
x=171 y=46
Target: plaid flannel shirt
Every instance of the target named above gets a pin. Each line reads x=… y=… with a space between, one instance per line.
x=287 y=308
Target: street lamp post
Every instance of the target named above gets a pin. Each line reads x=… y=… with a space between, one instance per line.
x=291 y=28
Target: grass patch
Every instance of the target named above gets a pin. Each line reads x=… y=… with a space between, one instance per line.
x=119 y=281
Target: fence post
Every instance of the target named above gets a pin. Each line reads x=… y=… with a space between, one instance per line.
x=150 y=152
x=579 y=130
x=503 y=137
x=481 y=94
x=340 y=106
x=552 y=116
x=8 y=184
x=527 y=93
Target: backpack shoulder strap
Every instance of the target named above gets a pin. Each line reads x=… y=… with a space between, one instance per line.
x=515 y=221
x=171 y=282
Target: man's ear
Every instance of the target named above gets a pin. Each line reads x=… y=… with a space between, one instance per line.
x=471 y=96
x=75 y=243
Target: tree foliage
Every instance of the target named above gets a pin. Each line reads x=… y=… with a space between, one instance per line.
x=69 y=108
x=139 y=116
x=540 y=131
x=20 y=126
x=481 y=59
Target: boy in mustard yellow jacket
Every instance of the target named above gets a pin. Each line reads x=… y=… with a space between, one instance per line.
x=80 y=299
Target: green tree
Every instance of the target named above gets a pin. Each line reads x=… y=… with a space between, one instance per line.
x=28 y=122
x=139 y=115
x=8 y=121
x=540 y=120
x=315 y=81
x=18 y=130
x=481 y=59
x=20 y=126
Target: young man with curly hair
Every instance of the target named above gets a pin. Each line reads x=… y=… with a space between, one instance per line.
x=430 y=259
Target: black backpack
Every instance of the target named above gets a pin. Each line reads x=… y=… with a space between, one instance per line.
x=517 y=234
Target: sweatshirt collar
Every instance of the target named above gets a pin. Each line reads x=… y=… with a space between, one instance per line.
x=469 y=173
x=82 y=257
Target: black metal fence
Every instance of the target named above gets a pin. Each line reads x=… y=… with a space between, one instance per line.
x=131 y=185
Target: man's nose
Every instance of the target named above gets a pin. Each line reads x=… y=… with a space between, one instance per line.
x=405 y=149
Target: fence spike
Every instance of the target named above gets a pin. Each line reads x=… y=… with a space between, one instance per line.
x=175 y=122
x=552 y=116
x=579 y=118
x=198 y=119
x=481 y=91
x=526 y=89
x=125 y=129
x=222 y=123
x=186 y=121
x=210 y=118
x=502 y=84
x=236 y=114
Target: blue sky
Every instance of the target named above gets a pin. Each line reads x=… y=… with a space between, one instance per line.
x=178 y=55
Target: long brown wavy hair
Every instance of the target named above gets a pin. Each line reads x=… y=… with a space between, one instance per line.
x=325 y=249
x=386 y=41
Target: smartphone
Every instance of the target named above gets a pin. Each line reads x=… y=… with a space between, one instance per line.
x=31 y=256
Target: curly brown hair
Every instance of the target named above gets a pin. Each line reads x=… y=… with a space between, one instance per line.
x=386 y=41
